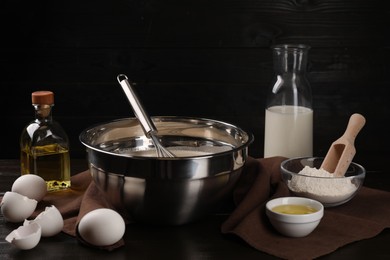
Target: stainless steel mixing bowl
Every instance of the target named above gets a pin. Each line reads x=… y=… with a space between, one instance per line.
x=166 y=191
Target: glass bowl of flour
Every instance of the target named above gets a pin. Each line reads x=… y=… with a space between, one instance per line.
x=304 y=177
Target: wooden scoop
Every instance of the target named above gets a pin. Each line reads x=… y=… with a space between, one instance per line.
x=342 y=151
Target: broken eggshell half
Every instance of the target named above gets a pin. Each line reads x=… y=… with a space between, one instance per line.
x=25 y=237
x=50 y=220
x=16 y=207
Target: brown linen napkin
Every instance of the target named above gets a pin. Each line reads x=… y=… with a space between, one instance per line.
x=74 y=203
x=365 y=216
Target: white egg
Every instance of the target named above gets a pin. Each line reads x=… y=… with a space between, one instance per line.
x=101 y=227
x=25 y=237
x=50 y=220
x=30 y=185
x=16 y=207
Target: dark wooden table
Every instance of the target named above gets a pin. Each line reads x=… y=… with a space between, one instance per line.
x=200 y=240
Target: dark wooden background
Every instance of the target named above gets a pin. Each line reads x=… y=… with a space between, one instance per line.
x=202 y=58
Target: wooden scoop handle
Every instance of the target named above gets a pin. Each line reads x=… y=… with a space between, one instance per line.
x=355 y=124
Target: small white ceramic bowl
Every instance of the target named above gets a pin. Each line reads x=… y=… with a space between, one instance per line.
x=293 y=224
x=330 y=191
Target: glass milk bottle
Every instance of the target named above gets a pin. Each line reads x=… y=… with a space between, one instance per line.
x=44 y=145
x=289 y=113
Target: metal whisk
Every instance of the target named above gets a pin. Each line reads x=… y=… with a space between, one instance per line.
x=145 y=121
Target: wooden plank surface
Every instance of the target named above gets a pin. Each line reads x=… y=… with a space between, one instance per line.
x=195 y=58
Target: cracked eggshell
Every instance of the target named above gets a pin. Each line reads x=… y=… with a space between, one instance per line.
x=50 y=220
x=25 y=237
x=31 y=186
x=16 y=207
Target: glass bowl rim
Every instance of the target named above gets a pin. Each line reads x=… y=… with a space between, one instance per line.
x=360 y=173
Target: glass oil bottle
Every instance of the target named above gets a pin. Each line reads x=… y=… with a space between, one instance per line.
x=44 y=145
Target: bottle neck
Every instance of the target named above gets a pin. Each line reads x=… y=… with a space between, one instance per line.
x=290 y=86
x=290 y=58
x=43 y=112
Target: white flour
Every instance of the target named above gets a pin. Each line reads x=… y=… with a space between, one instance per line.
x=326 y=188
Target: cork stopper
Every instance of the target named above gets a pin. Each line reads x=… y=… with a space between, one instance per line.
x=42 y=97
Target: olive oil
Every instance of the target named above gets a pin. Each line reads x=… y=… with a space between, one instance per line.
x=294 y=209
x=51 y=162
x=44 y=145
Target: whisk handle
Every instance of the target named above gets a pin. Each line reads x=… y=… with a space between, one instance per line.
x=145 y=121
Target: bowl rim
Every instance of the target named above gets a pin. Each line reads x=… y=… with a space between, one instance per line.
x=249 y=138
x=361 y=173
x=294 y=218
